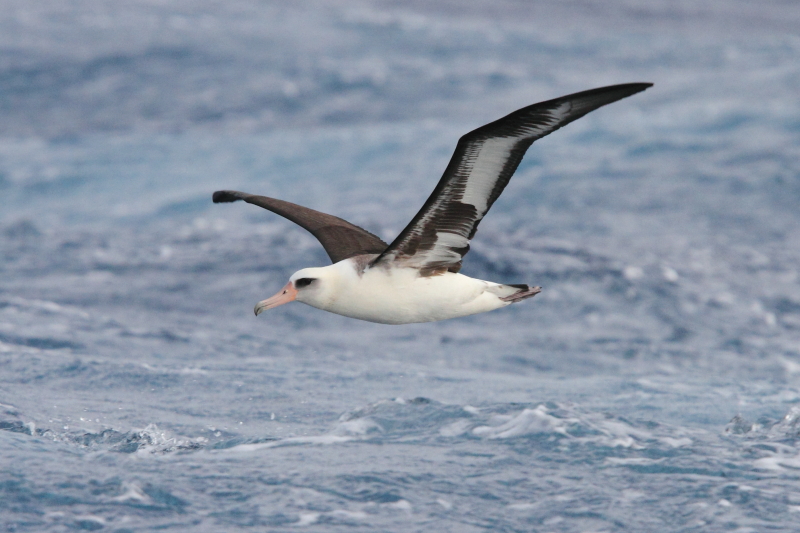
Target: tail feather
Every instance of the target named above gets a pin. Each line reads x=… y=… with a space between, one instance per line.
x=515 y=293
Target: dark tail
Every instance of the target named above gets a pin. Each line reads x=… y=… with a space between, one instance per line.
x=525 y=291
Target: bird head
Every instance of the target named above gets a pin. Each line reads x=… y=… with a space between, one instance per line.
x=310 y=285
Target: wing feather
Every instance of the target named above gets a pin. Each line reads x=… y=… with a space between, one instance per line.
x=437 y=238
x=340 y=238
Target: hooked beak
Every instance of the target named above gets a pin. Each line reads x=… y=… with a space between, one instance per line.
x=284 y=296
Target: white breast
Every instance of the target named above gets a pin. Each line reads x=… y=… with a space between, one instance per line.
x=402 y=296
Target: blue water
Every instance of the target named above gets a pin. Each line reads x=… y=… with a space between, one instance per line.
x=654 y=384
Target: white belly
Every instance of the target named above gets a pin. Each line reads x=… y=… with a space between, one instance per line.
x=401 y=296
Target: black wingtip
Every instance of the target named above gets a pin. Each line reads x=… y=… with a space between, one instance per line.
x=626 y=89
x=225 y=196
x=587 y=101
x=641 y=86
x=620 y=91
x=634 y=88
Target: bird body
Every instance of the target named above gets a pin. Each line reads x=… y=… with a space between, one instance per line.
x=397 y=295
x=415 y=278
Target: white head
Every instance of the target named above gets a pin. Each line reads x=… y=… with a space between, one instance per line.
x=316 y=287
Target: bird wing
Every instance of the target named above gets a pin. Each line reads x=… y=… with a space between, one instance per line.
x=340 y=238
x=437 y=238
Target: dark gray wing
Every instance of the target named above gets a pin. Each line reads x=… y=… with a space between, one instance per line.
x=485 y=159
x=340 y=238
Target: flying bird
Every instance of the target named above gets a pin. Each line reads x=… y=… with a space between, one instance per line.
x=416 y=277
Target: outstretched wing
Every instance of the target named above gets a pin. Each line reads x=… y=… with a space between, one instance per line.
x=485 y=159
x=340 y=238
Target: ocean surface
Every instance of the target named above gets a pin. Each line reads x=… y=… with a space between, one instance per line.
x=654 y=384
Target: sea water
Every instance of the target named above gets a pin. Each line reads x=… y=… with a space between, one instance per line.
x=653 y=385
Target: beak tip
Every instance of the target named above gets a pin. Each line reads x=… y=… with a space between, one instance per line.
x=286 y=295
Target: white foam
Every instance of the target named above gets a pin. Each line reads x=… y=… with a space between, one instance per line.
x=638 y=461
x=444 y=503
x=524 y=506
x=351 y=515
x=132 y=492
x=306 y=519
x=358 y=427
x=676 y=443
x=529 y=421
x=99 y=520
x=318 y=440
x=633 y=273
x=778 y=462
x=402 y=505
x=459 y=427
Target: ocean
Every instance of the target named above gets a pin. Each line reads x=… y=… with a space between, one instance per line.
x=653 y=385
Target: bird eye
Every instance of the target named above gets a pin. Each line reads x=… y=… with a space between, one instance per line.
x=303 y=282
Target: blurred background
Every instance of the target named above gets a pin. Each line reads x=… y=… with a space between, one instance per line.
x=651 y=386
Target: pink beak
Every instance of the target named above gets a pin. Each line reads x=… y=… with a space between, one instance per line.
x=284 y=296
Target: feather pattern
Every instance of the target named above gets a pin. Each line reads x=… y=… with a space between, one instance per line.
x=437 y=238
x=340 y=238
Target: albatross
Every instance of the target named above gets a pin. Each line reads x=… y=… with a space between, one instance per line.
x=416 y=277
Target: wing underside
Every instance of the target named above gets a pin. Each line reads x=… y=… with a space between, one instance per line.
x=437 y=238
